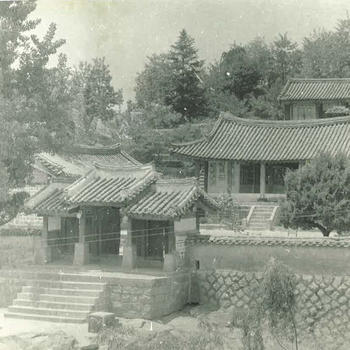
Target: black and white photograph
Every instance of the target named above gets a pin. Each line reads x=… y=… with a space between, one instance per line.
x=174 y=175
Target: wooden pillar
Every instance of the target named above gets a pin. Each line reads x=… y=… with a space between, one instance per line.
x=129 y=250
x=206 y=174
x=43 y=252
x=236 y=178
x=230 y=169
x=262 y=180
x=81 y=248
x=169 y=264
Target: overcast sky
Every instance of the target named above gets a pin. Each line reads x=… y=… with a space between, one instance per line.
x=127 y=31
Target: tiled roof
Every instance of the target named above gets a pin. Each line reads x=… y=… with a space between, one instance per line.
x=49 y=200
x=258 y=140
x=171 y=198
x=315 y=89
x=269 y=241
x=111 y=185
x=77 y=160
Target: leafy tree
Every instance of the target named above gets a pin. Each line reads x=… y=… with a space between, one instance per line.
x=186 y=94
x=318 y=195
x=287 y=58
x=241 y=76
x=14 y=24
x=96 y=98
x=153 y=84
x=31 y=98
x=319 y=55
x=279 y=301
x=326 y=53
x=219 y=98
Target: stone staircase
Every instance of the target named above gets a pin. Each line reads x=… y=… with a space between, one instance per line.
x=260 y=217
x=59 y=297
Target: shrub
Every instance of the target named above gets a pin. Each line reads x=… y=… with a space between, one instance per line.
x=279 y=301
x=318 y=195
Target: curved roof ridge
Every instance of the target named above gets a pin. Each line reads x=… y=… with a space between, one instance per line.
x=319 y=79
x=141 y=167
x=93 y=149
x=287 y=123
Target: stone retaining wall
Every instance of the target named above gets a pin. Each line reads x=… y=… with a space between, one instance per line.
x=323 y=301
x=149 y=298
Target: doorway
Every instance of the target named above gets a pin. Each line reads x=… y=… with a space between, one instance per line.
x=250 y=178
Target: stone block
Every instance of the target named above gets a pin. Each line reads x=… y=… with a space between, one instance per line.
x=97 y=320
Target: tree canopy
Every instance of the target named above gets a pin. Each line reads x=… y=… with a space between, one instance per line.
x=318 y=195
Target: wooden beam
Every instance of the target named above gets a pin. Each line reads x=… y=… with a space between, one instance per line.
x=262 y=180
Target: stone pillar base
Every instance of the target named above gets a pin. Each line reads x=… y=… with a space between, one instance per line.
x=169 y=264
x=129 y=257
x=42 y=252
x=81 y=253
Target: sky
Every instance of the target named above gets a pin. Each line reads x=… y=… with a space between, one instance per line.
x=127 y=31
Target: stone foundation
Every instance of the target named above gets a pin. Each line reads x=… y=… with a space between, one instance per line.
x=323 y=301
x=149 y=298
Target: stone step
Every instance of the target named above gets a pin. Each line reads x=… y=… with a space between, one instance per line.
x=45 y=318
x=47 y=311
x=263 y=209
x=259 y=218
x=61 y=291
x=53 y=305
x=59 y=298
x=66 y=285
x=51 y=276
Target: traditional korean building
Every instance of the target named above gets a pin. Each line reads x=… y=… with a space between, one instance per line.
x=315 y=98
x=82 y=211
x=248 y=158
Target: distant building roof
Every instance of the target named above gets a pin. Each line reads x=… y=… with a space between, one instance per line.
x=259 y=140
x=75 y=161
x=315 y=89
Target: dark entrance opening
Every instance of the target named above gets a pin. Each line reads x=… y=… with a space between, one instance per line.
x=103 y=231
x=250 y=178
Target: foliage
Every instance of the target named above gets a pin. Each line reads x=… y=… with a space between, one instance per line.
x=174 y=79
x=249 y=320
x=287 y=58
x=318 y=195
x=149 y=133
x=186 y=95
x=240 y=74
x=11 y=206
x=153 y=84
x=326 y=53
x=96 y=98
x=279 y=301
x=229 y=212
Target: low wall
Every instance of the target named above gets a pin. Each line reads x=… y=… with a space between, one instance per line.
x=149 y=298
x=323 y=301
x=305 y=256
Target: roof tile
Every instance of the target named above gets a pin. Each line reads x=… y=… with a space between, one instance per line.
x=259 y=140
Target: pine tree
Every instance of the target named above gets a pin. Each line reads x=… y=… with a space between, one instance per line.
x=187 y=94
